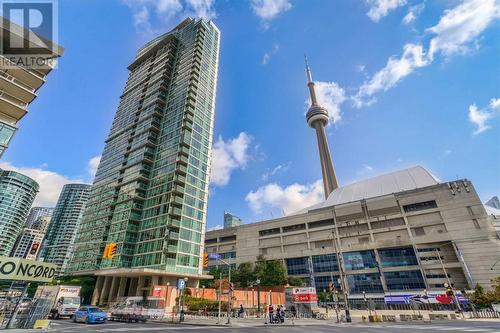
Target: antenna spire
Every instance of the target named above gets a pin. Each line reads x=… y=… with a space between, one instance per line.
x=310 y=83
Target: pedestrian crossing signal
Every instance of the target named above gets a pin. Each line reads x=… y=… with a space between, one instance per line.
x=110 y=250
x=205 y=260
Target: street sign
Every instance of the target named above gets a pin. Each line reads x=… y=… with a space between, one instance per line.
x=26 y=270
x=181 y=284
x=214 y=256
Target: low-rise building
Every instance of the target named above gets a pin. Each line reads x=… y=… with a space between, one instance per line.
x=397 y=233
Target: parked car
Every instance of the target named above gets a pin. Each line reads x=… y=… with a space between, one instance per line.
x=90 y=315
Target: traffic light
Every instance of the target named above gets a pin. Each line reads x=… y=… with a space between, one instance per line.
x=110 y=250
x=205 y=260
x=34 y=248
x=331 y=287
x=449 y=292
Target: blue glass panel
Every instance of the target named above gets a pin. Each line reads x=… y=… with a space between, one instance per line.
x=404 y=280
x=297 y=266
x=325 y=263
x=369 y=283
x=398 y=257
x=359 y=260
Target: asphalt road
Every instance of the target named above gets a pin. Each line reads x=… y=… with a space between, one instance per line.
x=64 y=326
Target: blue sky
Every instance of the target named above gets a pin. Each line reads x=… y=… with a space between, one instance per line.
x=406 y=82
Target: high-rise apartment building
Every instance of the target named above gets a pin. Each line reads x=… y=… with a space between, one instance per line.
x=17 y=193
x=231 y=220
x=58 y=244
x=29 y=243
x=19 y=83
x=151 y=188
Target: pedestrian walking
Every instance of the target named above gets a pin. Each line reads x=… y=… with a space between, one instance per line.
x=293 y=310
x=241 y=311
x=271 y=314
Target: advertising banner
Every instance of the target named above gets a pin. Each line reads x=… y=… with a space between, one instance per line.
x=26 y=270
x=304 y=295
x=437 y=297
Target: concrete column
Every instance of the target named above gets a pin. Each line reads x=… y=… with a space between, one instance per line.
x=132 y=287
x=155 y=280
x=121 y=288
x=97 y=290
x=140 y=285
x=105 y=290
x=114 y=288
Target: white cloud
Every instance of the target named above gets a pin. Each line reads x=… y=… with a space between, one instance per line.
x=267 y=56
x=280 y=168
x=152 y=17
x=268 y=10
x=456 y=30
x=460 y=26
x=228 y=156
x=92 y=165
x=396 y=69
x=413 y=12
x=331 y=96
x=360 y=68
x=480 y=117
x=50 y=182
x=380 y=8
x=202 y=8
x=289 y=199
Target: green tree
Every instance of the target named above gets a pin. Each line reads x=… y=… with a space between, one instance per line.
x=479 y=297
x=270 y=272
x=295 y=281
x=244 y=275
x=209 y=283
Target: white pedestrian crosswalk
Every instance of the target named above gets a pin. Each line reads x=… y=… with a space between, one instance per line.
x=430 y=327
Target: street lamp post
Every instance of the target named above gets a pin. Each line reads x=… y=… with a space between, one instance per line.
x=455 y=298
x=343 y=283
x=181 y=303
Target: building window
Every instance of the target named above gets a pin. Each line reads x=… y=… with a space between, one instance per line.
x=325 y=263
x=369 y=283
x=294 y=227
x=397 y=257
x=211 y=241
x=268 y=232
x=227 y=239
x=319 y=224
x=359 y=260
x=297 y=266
x=228 y=255
x=404 y=280
x=420 y=206
x=322 y=282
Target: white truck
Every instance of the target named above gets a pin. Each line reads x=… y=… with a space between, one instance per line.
x=138 y=309
x=65 y=300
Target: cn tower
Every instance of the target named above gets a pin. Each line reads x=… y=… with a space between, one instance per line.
x=317 y=118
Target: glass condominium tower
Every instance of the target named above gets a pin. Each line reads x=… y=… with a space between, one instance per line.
x=17 y=193
x=150 y=192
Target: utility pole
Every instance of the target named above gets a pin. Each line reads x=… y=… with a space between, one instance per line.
x=220 y=297
x=455 y=298
x=343 y=283
x=229 y=296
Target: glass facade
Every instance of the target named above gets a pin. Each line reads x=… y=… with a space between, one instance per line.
x=369 y=283
x=58 y=245
x=404 y=280
x=359 y=260
x=297 y=266
x=17 y=193
x=151 y=187
x=325 y=263
x=6 y=133
x=404 y=256
x=323 y=281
